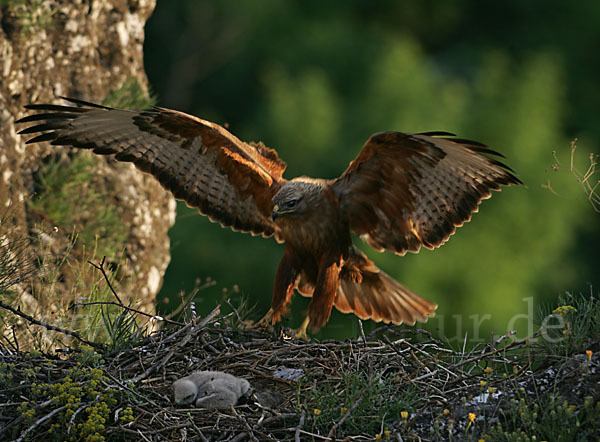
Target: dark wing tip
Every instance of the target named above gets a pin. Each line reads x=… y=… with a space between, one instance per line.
x=437 y=133
x=83 y=106
x=481 y=148
x=49 y=136
x=53 y=108
x=84 y=103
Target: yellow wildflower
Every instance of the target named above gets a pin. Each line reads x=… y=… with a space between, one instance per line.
x=472 y=417
x=564 y=310
x=404 y=415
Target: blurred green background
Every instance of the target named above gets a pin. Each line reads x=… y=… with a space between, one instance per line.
x=315 y=79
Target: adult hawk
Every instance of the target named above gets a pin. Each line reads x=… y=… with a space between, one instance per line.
x=403 y=191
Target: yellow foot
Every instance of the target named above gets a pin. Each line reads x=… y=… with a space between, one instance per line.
x=300 y=333
x=265 y=322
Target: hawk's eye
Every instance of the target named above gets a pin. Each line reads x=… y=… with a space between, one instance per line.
x=292 y=203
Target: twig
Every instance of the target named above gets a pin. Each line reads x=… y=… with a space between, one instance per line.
x=246 y=424
x=277 y=418
x=101 y=268
x=198 y=431
x=234 y=310
x=240 y=436
x=120 y=303
x=39 y=421
x=318 y=436
x=185 y=300
x=180 y=344
x=131 y=309
x=299 y=427
x=79 y=410
x=32 y=320
x=362 y=333
x=125 y=387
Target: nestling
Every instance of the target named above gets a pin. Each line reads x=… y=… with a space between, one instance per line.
x=210 y=389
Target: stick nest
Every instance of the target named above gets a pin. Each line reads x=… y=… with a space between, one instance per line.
x=395 y=383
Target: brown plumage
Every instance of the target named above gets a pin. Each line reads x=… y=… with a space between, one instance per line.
x=403 y=191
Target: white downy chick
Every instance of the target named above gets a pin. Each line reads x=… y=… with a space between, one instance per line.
x=210 y=389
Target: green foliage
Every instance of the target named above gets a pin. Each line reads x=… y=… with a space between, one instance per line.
x=369 y=399
x=130 y=95
x=122 y=329
x=551 y=419
x=571 y=328
x=57 y=280
x=69 y=197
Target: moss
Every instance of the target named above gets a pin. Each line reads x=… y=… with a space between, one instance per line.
x=31 y=15
x=130 y=95
x=68 y=197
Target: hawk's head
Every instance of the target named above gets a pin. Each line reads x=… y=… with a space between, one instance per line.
x=296 y=197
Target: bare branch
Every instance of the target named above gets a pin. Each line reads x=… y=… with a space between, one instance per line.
x=32 y=320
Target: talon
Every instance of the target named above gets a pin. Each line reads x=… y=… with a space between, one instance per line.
x=264 y=322
x=300 y=332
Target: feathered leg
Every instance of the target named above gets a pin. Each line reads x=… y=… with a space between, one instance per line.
x=324 y=294
x=285 y=279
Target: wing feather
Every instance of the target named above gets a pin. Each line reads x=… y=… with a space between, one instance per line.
x=201 y=163
x=404 y=191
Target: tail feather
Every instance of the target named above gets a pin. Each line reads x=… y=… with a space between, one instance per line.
x=370 y=293
x=380 y=298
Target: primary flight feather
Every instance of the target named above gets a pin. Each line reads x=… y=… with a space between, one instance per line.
x=403 y=191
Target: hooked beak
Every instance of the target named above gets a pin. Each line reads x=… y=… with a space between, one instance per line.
x=278 y=212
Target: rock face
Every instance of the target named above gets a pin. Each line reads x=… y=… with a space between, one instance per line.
x=85 y=50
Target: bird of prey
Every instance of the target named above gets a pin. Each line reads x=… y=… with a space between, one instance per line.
x=403 y=191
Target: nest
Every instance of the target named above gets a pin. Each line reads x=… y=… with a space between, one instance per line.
x=395 y=383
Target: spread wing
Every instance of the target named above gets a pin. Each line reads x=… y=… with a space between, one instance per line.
x=404 y=191
x=200 y=162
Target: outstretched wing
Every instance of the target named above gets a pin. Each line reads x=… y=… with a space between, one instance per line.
x=404 y=191
x=198 y=161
